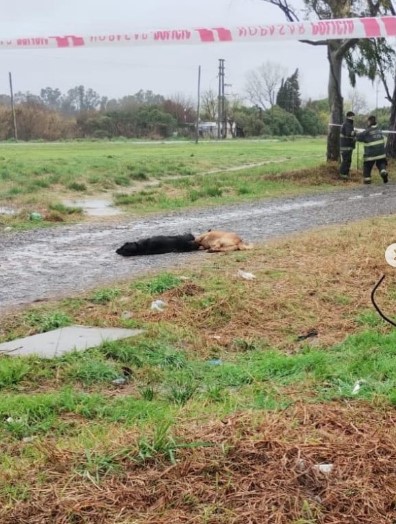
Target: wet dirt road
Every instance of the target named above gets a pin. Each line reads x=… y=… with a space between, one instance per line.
x=61 y=261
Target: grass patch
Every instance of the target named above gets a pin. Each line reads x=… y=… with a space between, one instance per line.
x=47 y=321
x=12 y=371
x=188 y=175
x=103 y=296
x=220 y=390
x=159 y=284
x=77 y=186
x=67 y=210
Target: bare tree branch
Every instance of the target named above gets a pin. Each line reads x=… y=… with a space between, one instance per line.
x=262 y=84
x=346 y=46
x=316 y=42
x=287 y=10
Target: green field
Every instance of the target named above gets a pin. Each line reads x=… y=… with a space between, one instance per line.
x=151 y=177
x=220 y=393
x=228 y=407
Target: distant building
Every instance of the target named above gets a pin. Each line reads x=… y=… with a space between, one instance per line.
x=209 y=130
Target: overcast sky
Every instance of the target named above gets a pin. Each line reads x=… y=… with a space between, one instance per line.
x=118 y=71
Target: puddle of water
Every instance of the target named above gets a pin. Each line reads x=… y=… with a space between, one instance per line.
x=96 y=208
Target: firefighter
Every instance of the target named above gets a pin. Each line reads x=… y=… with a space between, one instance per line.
x=347 y=144
x=374 y=150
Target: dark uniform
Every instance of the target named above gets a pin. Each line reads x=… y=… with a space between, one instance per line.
x=374 y=151
x=347 y=144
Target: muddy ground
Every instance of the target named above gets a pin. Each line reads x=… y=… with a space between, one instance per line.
x=61 y=261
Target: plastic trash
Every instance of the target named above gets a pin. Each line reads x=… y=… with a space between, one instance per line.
x=245 y=275
x=158 y=305
x=358 y=384
x=324 y=468
x=120 y=381
x=29 y=439
x=215 y=362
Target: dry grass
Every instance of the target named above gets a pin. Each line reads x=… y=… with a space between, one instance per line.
x=323 y=174
x=320 y=280
x=259 y=469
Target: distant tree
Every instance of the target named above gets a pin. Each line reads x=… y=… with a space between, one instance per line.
x=311 y=122
x=209 y=106
x=181 y=108
x=356 y=102
x=232 y=109
x=5 y=100
x=6 y=130
x=120 y=123
x=288 y=97
x=51 y=98
x=112 y=104
x=249 y=122
x=318 y=106
x=337 y=50
x=127 y=102
x=141 y=98
x=148 y=98
x=97 y=125
x=321 y=109
x=36 y=121
x=79 y=99
x=262 y=84
x=27 y=98
x=151 y=121
x=103 y=103
x=281 y=122
x=383 y=116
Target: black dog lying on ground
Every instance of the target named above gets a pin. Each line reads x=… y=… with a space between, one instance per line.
x=158 y=245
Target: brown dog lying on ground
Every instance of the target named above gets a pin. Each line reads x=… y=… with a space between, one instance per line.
x=221 y=241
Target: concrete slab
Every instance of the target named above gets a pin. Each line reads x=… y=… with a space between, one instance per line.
x=64 y=340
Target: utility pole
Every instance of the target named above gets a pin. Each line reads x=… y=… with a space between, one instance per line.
x=221 y=103
x=198 y=105
x=225 y=113
x=13 y=108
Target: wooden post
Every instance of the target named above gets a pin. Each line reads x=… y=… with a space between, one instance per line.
x=13 y=108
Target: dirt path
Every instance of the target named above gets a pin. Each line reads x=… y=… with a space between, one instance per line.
x=55 y=262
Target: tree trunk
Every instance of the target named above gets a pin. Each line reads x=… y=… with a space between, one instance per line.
x=336 y=102
x=391 y=142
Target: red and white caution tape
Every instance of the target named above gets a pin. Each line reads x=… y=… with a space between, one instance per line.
x=378 y=27
x=384 y=131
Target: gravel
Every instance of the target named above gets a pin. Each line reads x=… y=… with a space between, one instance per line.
x=57 y=262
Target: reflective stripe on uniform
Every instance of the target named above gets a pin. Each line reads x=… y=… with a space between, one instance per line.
x=379 y=157
x=376 y=143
